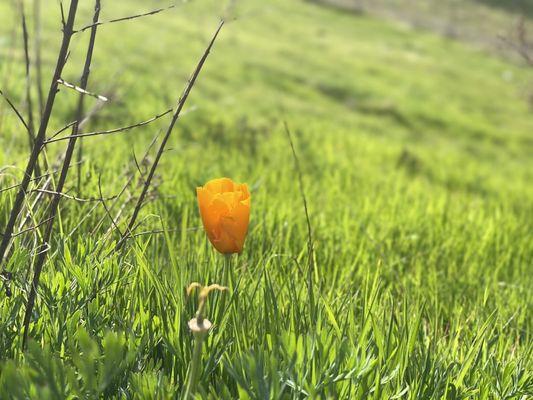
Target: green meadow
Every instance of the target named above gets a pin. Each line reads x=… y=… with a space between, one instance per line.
x=415 y=157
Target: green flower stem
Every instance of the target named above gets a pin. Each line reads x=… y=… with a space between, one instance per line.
x=195 y=364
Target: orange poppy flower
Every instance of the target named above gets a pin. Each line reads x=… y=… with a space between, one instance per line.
x=225 y=210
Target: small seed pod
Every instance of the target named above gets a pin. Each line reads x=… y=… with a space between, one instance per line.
x=199 y=326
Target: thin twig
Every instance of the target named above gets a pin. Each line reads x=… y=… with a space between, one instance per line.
x=69 y=125
x=110 y=131
x=17 y=112
x=108 y=213
x=181 y=103
x=70 y=197
x=31 y=228
x=37 y=46
x=153 y=12
x=137 y=165
x=32 y=180
x=31 y=128
x=8 y=67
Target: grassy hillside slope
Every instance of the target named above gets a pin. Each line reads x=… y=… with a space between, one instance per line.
x=416 y=156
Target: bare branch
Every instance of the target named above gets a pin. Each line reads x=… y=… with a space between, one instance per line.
x=31 y=180
x=37 y=46
x=68 y=196
x=153 y=12
x=110 y=131
x=31 y=228
x=19 y=115
x=31 y=130
x=69 y=125
x=108 y=213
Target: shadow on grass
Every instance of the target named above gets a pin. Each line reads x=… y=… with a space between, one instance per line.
x=524 y=7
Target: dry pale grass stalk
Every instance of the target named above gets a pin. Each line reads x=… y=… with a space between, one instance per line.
x=310 y=247
x=199 y=326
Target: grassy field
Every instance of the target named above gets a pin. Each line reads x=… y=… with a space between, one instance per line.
x=415 y=152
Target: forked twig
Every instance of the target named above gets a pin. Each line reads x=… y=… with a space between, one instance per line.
x=70 y=197
x=109 y=131
x=153 y=12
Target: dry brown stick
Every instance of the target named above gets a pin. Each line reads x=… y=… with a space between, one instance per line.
x=31 y=128
x=39 y=262
x=153 y=12
x=108 y=213
x=110 y=131
x=8 y=64
x=32 y=179
x=31 y=228
x=69 y=125
x=16 y=111
x=37 y=48
x=181 y=103
x=19 y=199
x=29 y=101
x=70 y=197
